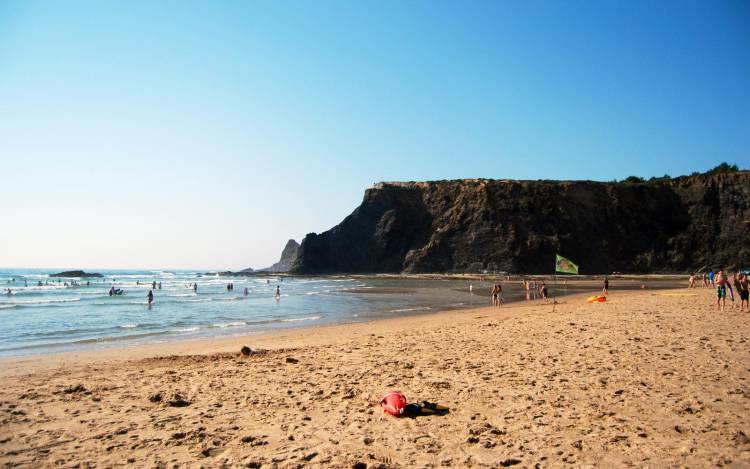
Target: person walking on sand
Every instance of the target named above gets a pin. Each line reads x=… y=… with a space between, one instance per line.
x=721 y=291
x=705 y=283
x=499 y=295
x=150 y=297
x=543 y=291
x=692 y=281
x=493 y=293
x=605 y=289
x=711 y=278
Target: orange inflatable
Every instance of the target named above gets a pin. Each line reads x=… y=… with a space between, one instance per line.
x=596 y=299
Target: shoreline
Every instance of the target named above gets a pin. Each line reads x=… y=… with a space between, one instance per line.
x=232 y=343
x=275 y=338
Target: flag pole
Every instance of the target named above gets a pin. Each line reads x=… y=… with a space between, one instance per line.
x=554 y=297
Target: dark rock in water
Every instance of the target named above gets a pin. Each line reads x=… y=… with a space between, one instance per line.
x=77 y=274
x=479 y=225
x=245 y=350
x=288 y=256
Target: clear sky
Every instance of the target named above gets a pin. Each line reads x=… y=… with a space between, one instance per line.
x=183 y=134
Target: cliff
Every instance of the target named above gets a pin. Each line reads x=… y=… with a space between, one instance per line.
x=476 y=225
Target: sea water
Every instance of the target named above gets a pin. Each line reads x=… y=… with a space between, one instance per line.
x=54 y=317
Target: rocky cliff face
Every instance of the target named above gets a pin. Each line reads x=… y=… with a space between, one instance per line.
x=667 y=225
x=288 y=256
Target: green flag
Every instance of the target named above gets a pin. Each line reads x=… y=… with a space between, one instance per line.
x=564 y=265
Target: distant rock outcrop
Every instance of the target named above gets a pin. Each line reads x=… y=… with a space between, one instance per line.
x=288 y=256
x=77 y=274
x=476 y=225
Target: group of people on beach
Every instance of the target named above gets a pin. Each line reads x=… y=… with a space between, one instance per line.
x=737 y=283
x=532 y=289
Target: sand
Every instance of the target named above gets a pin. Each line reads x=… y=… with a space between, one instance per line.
x=650 y=378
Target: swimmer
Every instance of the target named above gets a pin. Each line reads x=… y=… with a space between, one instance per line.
x=150 y=297
x=278 y=292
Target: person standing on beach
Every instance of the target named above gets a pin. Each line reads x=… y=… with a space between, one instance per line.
x=150 y=297
x=705 y=284
x=711 y=278
x=605 y=290
x=499 y=295
x=543 y=291
x=493 y=293
x=692 y=281
x=744 y=290
x=526 y=287
x=721 y=291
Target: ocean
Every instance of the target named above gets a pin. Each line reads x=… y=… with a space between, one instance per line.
x=55 y=317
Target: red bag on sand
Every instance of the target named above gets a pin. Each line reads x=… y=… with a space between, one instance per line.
x=394 y=403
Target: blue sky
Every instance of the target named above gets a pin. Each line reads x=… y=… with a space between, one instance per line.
x=205 y=134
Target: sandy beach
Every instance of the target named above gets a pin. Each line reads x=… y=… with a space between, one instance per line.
x=650 y=378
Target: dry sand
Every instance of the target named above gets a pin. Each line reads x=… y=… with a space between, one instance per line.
x=646 y=379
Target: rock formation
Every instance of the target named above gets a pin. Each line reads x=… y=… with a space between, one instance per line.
x=477 y=225
x=76 y=274
x=288 y=256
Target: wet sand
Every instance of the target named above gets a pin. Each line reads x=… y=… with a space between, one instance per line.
x=650 y=378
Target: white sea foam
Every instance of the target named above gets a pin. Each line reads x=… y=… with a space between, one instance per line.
x=179 y=295
x=404 y=310
x=229 y=324
x=44 y=302
x=129 y=326
x=309 y=318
